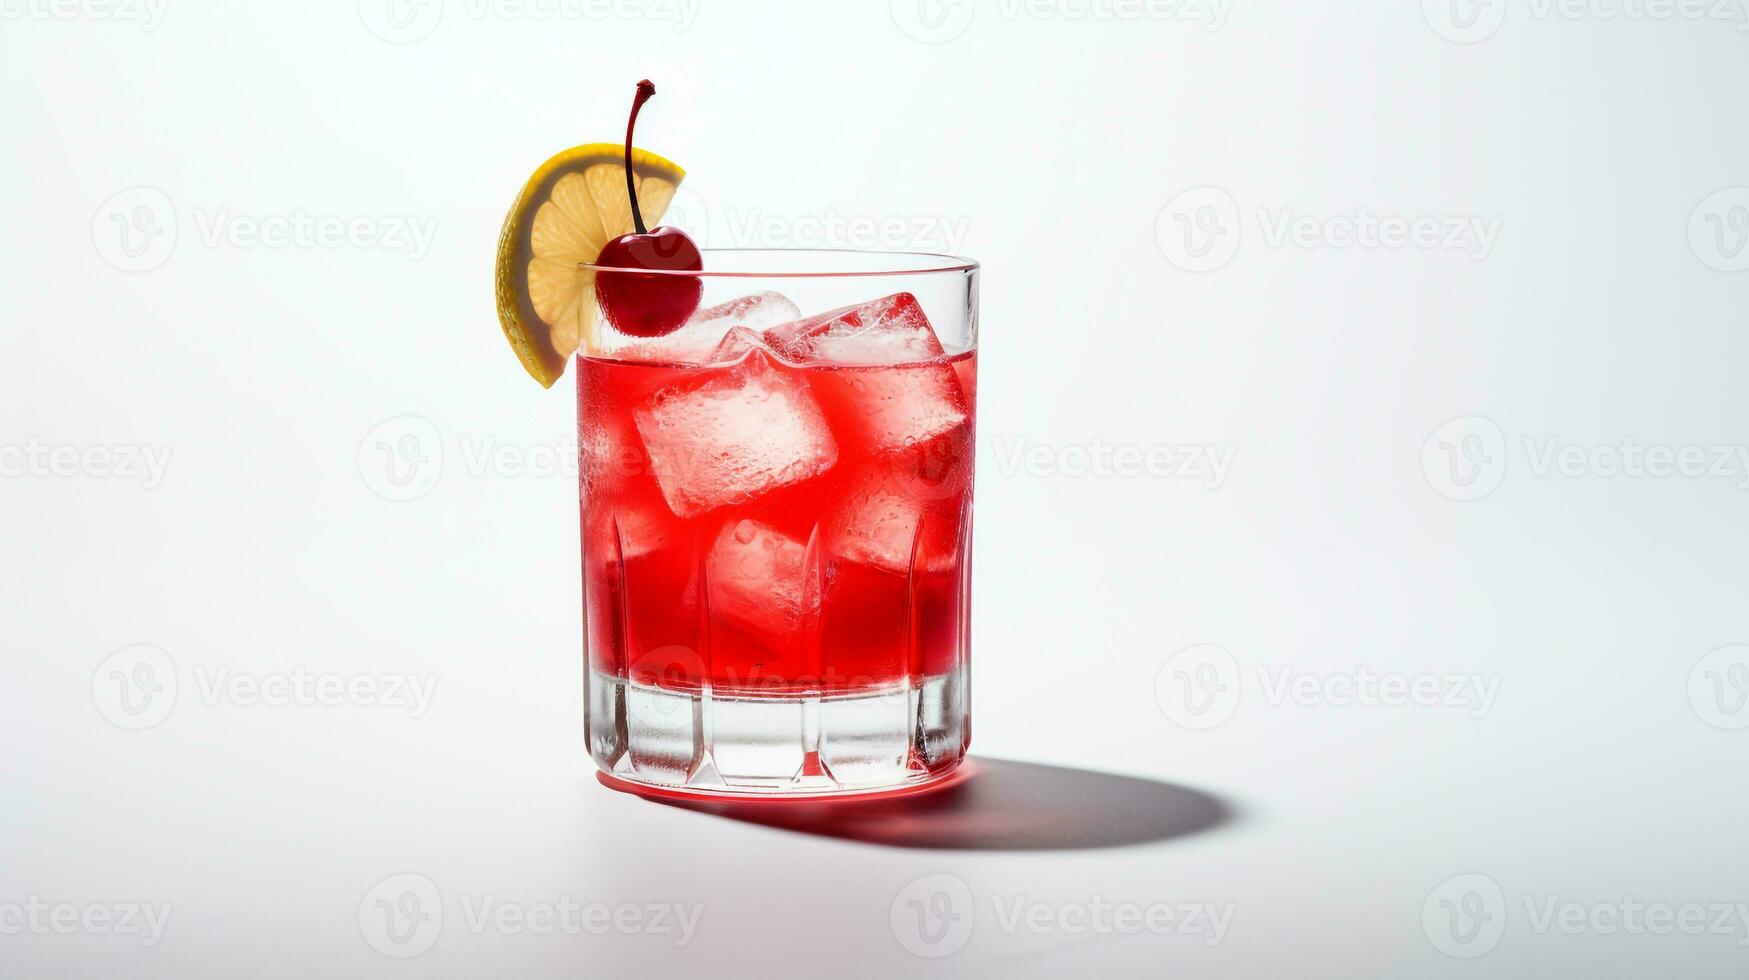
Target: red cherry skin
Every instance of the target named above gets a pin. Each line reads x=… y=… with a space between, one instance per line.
x=649 y=306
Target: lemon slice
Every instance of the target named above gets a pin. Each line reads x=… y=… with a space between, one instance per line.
x=572 y=206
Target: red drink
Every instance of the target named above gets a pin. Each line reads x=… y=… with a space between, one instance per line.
x=779 y=521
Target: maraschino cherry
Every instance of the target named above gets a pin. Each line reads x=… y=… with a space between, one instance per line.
x=653 y=305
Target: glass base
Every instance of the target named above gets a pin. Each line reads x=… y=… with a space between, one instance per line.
x=777 y=745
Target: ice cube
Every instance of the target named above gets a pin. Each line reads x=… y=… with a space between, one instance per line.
x=756 y=581
x=736 y=343
x=889 y=330
x=758 y=311
x=896 y=407
x=705 y=330
x=878 y=524
x=895 y=390
x=733 y=434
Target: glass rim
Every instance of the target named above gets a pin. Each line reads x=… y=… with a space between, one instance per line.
x=904 y=263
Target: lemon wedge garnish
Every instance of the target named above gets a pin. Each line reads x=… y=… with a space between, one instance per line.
x=572 y=206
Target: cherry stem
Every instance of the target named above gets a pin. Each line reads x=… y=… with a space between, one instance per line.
x=645 y=90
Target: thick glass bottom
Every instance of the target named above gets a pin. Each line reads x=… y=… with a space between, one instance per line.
x=777 y=745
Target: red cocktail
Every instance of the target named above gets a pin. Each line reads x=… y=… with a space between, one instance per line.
x=776 y=515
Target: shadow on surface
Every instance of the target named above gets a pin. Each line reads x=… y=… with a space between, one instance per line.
x=1001 y=805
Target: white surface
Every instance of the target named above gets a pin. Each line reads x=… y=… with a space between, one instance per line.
x=1053 y=148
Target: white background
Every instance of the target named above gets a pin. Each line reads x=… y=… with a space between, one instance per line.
x=1056 y=145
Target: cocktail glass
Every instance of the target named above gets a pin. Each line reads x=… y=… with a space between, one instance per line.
x=776 y=510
